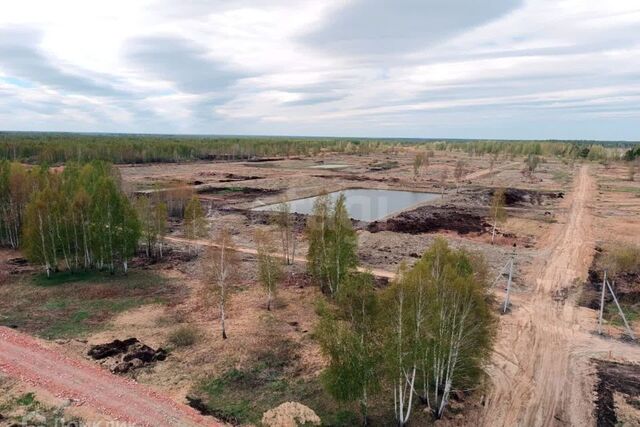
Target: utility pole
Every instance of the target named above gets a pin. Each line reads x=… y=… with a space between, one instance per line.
x=624 y=318
x=506 y=299
x=604 y=284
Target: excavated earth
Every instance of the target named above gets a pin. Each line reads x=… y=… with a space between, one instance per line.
x=614 y=377
x=427 y=219
x=127 y=355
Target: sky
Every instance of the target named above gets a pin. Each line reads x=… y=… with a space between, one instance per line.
x=510 y=69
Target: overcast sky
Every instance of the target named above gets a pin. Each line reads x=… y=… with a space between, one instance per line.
x=411 y=68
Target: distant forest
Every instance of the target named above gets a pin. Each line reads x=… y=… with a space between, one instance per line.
x=57 y=148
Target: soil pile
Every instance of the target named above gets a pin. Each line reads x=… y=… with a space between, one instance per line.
x=518 y=196
x=126 y=355
x=427 y=219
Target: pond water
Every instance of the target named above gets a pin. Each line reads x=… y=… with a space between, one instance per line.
x=364 y=204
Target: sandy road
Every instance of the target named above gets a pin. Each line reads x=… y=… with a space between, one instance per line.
x=541 y=369
x=375 y=271
x=107 y=395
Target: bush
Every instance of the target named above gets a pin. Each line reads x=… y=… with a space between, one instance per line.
x=184 y=336
x=623 y=259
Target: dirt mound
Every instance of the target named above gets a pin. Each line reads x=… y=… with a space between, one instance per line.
x=428 y=219
x=519 y=196
x=613 y=378
x=127 y=355
x=359 y=178
x=267 y=217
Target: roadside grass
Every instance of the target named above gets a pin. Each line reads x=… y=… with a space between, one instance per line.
x=631 y=312
x=241 y=395
x=74 y=305
x=25 y=409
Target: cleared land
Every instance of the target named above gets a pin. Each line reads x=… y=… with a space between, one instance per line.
x=541 y=373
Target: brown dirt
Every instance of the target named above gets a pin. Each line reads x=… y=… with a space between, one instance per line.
x=541 y=370
x=25 y=358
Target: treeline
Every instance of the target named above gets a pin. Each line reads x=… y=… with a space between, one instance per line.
x=76 y=219
x=570 y=150
x=56 y=148
x=410 y=345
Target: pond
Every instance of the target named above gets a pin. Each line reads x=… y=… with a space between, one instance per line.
x=364 y=204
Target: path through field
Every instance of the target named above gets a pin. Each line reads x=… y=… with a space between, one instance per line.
x=107 y=395
x=540 y=372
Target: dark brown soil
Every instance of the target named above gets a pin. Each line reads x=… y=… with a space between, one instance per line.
x=615 y=377
x=126 y=355
x=429 y=219
x=519 y=196
x=350 y=177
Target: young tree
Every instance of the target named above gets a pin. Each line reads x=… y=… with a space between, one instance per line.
x=348 y=337
x=631 y=171
x=531 y=164
x=285 y=223
x=418 y=161
x=269 y=269
x=195 y=225
x=160 y=216
x=459 y=172
x=221 y=263
x=332 y=243
x=444 y=176
x=497 y=210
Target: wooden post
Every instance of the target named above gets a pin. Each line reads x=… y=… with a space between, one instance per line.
x=604 y=284
x=624 y=318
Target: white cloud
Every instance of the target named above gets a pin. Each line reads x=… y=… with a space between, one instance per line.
x=320 y=67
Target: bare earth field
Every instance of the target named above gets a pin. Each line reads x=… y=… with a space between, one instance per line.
x=542 y=372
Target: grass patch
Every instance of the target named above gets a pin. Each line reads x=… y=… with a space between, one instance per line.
x=631 y=312
x=184 y=336
x=68 y=305
x=241 y=396
x=27 y=410
x=561 y=177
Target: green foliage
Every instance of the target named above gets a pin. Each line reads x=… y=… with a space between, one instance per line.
x=332 y=243
x=80 y=218
x=437 y=327
x=632 y=154
x=269 y=269
x=61 y=148
x=195 y=225
x=348 y=337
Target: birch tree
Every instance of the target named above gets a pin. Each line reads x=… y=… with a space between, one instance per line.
x=195 y=226
x=220 y=269
x=332 y=243
x=348 y=337
x=269 y=269
x=285 y=223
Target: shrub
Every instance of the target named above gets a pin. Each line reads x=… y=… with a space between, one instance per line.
x=184 y=336
x=623 y=259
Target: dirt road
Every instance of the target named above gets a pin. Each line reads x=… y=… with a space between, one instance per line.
x=375 y=271
x=105 y=394
x=540 y=372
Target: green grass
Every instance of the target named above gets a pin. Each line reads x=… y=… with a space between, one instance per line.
x=631 y=312
x=241 y=396
x=21 y=410
x=67 y=305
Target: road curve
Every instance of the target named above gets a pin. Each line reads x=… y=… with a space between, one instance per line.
x=108 y=395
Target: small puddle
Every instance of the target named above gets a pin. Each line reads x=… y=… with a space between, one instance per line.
x=363 y=204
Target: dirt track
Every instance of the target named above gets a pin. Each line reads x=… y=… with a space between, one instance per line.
x=375 y=271
x=116 y=398
x=541 y=368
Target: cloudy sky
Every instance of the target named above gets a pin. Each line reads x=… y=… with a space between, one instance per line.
x=410 y=68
